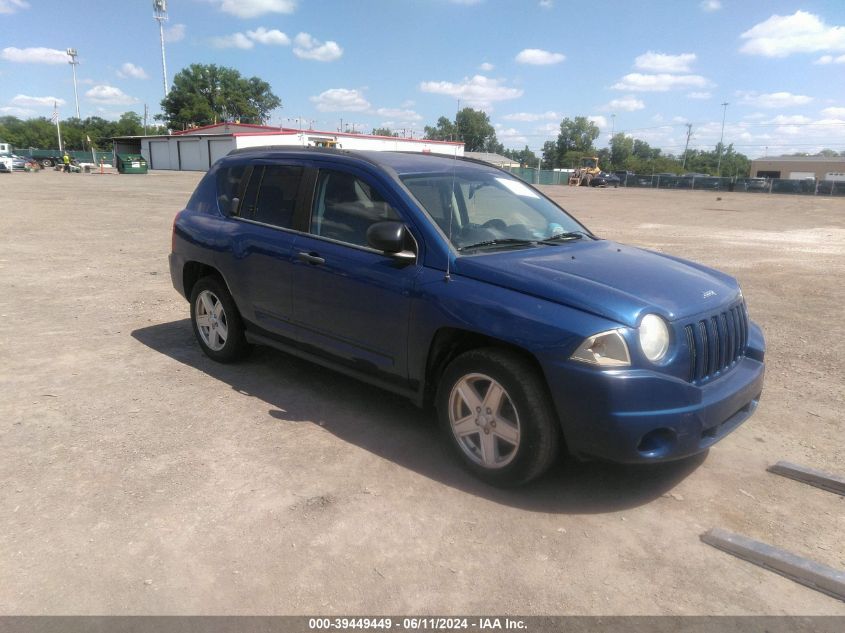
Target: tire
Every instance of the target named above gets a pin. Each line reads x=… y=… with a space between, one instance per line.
x=216 y=321
x=514 y=440
x=47 y=163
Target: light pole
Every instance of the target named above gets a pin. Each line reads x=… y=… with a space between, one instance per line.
x=71 y=52
x=160 y=16
x=722 y=138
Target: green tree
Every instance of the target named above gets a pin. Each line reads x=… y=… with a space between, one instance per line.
x=384 y=131
x=526 y=157
x=203 y=94
x=549 y=155
x=621 y=149
x=445 y=130
x=473 y=127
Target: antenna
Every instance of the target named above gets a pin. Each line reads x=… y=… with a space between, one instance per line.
x=160 y=16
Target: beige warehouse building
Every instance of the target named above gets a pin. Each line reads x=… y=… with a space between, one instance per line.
x=799 y=167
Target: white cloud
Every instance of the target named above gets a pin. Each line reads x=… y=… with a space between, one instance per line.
x=598 y=120
x=235 y=40
x=783 y=119
x=175 y=33
x=486 y=67
x=307 y=47
x=396 y=113
x=639 y=82
x=539 y=57
x=662 y=63
x=109 y=95
x=783 y=35
x=130 y=70
x=710 y=5
x=26 y=100
x=475 y=91
x=546 y=4
x=269 y=37
x=246 y=41
x=35 y=55
x=18 y=112
x=830 y=59
x=699 y=95
x=774 y=99
x=341 y=100
x=625 y=104
x=10 y=6
x=533 y=116
x=836 y=113
x=254 y=8
x=510 y=136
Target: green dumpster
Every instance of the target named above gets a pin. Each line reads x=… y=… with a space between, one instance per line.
x=131 y=164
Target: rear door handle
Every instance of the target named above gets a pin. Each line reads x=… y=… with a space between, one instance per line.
x=311 y=258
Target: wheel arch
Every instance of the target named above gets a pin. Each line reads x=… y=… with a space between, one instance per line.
x=193 y=271
x=449 y=342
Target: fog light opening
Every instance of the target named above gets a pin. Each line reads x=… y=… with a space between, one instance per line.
x=657 y=443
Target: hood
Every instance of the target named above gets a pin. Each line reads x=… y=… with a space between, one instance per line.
x=605 y=278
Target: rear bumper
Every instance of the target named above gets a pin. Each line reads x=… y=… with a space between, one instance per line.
x=640 y=415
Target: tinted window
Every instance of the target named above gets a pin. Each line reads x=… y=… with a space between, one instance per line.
x=346 y=206
x=270 y=197
x=229 y=182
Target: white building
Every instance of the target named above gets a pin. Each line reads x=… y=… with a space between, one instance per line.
x=199 y=148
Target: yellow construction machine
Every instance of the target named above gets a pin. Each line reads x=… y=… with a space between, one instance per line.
x=584 y=174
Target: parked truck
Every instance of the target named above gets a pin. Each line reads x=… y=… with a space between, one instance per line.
x=49 y=158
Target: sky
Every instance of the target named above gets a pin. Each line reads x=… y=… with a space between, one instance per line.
x=645 y=68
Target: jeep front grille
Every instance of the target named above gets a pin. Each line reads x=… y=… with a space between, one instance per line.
x=716 y=342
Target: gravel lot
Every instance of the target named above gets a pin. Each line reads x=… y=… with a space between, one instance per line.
x=138 y=477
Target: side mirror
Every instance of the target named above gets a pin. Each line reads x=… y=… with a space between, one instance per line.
x=391 y=238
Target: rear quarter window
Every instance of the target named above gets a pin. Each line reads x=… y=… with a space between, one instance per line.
x=229 y=183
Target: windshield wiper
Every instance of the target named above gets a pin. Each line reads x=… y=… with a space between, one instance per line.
x=560 y=237
x=497 y=242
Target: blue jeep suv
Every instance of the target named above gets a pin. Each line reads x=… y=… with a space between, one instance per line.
x=457 y=285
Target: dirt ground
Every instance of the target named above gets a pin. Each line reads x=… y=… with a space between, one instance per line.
x=139 y=477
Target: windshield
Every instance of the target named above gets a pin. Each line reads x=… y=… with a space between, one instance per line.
x=489 y=208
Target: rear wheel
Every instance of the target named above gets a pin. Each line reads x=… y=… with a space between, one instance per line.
x=46 y=162
x=496 y=414
x=216 y=322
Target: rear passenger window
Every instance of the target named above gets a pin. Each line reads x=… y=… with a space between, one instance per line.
x=229 y=182
x=270 y=197
x=346 y=206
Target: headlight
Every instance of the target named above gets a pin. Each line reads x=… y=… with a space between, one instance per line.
x=654 y=337
x=607 y=349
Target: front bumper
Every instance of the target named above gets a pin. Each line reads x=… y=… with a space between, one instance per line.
x=639 y=415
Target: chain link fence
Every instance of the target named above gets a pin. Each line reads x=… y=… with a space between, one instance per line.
x=805 y=187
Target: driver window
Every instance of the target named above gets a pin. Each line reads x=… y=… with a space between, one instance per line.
x=346 y=206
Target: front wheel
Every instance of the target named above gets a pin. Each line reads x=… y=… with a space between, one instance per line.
x=47 y=163
x=216 y=322
x=496 y=414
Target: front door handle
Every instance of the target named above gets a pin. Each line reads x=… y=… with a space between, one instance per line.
x=311 y=258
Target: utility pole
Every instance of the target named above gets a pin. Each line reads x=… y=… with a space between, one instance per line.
x=722 y=138
x=686 y=147
x=74 y=62
x=160 y=16
x=146 y=112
